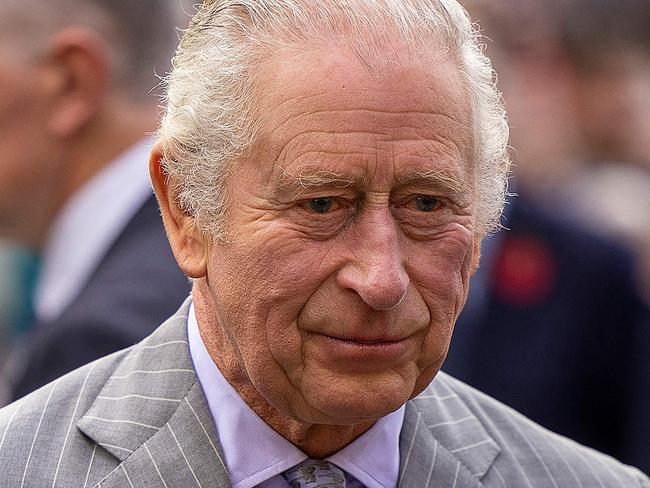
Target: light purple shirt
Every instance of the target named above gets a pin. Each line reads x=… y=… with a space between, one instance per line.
x=256 y=455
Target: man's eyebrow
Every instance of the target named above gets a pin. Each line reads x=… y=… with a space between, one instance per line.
x=293 y=184
x=437 y=178
x=297 y=182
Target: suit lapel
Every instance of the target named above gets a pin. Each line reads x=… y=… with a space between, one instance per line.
x=442 y=442
x=152 y=416
x=183 y=453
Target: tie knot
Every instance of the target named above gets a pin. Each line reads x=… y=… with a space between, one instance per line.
x=314 y=473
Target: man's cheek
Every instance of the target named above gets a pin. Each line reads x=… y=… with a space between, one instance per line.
x=439 y=279
x=293 y=264
x=443 y=289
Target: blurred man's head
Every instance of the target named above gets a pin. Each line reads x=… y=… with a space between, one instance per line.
x=326 y=171
x=538 y=84
x=576 y=81
x=75 y=82
x=608 y=43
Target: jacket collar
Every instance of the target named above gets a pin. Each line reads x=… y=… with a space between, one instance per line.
x=153 y=417
x=453 y=446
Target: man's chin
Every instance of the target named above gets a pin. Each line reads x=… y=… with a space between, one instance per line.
x=354 y=403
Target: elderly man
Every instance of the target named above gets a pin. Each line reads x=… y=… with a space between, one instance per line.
x=75 y=112
x=326 y=171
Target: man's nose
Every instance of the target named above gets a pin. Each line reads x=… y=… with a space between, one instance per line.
x=376 y=272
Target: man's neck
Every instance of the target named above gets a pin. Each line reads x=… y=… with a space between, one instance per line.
x=318 y=441
x=110 y=134
x=95 y=146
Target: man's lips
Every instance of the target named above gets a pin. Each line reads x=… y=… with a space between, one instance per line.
x=370 y=341
x=366 y=353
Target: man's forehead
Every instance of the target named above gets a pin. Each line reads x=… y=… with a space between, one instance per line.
x=335 y=85
x=324 y=111
x=323 y=66
x=353 y=149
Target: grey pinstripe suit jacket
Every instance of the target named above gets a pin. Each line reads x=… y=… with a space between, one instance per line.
x=138 y=418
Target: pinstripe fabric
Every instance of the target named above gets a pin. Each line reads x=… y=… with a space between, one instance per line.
x=473 y=440
x=138 y=418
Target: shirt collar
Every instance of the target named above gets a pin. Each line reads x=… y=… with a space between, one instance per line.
x=254 y=453
x=87 y=226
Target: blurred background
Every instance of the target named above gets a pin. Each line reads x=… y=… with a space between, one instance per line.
x=81 y=242
x=557 y=320
x=575 y=75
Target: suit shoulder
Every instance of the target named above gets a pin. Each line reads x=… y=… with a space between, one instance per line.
x=37 y=429
x=77 y=389
x=531 y=454
x=64 y=393
x=42 y=440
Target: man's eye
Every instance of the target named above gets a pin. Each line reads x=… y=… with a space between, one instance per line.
x=426 y=203
x=321 y=205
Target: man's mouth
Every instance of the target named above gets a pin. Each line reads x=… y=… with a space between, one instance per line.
x=365 y=352
x=370 y=341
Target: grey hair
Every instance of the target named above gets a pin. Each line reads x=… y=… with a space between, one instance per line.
x=209 y=120
x=142 y=34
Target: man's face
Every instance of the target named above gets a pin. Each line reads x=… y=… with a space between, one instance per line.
x=27 y=155
x=351 y=238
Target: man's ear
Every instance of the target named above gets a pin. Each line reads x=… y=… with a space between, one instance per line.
x=77 y=71
x=190 y=247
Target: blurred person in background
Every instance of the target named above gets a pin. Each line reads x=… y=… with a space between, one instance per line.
x=17 y=272
x=538 y=85
x=608 y=44
x=76 y=109
x=19 y=266
x=559 y=303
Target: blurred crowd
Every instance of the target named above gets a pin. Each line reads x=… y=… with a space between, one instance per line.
x=576 y=80
x=82 y=249
x=557 y=321
x=557 y=318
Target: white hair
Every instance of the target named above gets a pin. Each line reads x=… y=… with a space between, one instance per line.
x=210 y=119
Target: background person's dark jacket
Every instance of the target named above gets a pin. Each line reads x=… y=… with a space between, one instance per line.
x=136 y=286
x=555 y=328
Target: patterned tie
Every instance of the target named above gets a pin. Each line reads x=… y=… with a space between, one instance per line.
x=314 y=473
